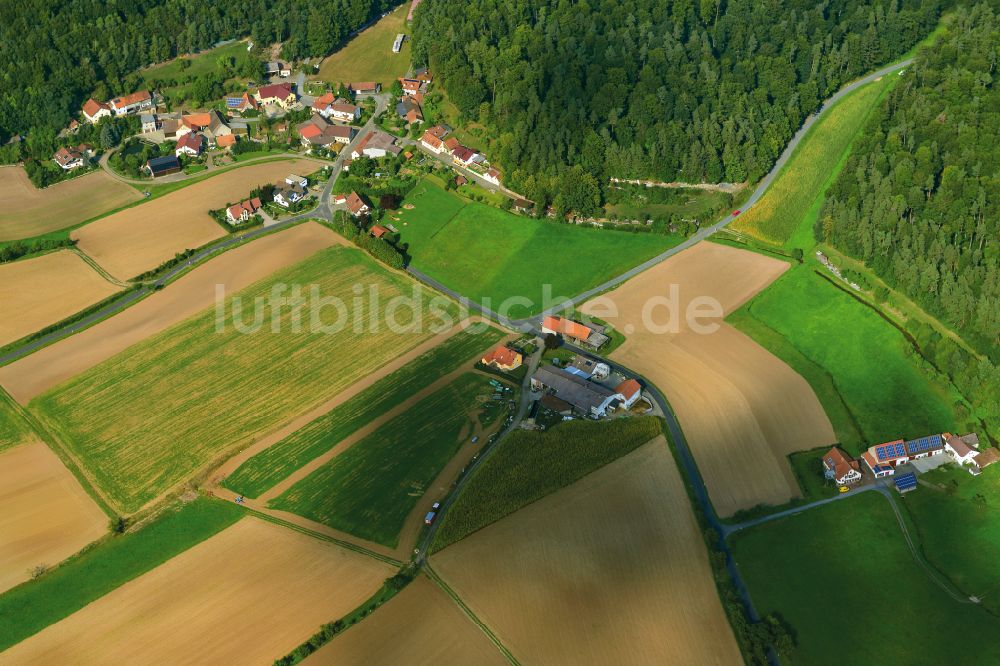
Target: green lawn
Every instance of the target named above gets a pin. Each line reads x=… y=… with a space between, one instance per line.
x=369 y=489
x=886 y=390
x=267 y=468
x=959 y=526
x=87 y=576
x=528 y=465
x=483 y=252
x=688 y=203
x=14 y=429
x=808 y=469
x=369 y=56
x=144 y=420
x=175 y=82
x=786 y=213
x=843 y=577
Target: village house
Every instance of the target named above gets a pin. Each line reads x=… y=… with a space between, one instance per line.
x=278 y=93
x=330 y=106
x=983 y=460
x=451 y=144
x=410 y=111
x=411 y=86
x=130 y=104
x=245 y=102
x=339 y=198
x=242 y=211
x=378 y=231
x=94 y=110
x=591 y=336
x=523 y=206
x=431 y=142
x=365 y=88
x=492 y=176
x=630 y=390
x=149 y=123
x=317 y=131
x=226 y=142
x=502 y=358
x=376 y=144
x=163 y=166
x=356 y=204
x=466 y=156
x=841 y=468
x=190 y=144
x=588 y=368
x=69 y=158
x=288 y=193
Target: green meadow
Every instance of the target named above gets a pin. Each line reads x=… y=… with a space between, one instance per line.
x=369 y=489
x=14 y=429
x=845 y=580
x=485 y=252
x=267 y=468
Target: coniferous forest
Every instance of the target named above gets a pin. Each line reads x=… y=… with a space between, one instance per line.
x=575 y=92
x=56 y=54
x=919 y=199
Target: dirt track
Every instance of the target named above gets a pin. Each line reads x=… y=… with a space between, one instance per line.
x=610 y=570
x=139 y=239
x=246 y=596
x=419 y=627
x=45 y=516
x=238 y=268
x=742 y=409
x=42 y=291
x=26 y=211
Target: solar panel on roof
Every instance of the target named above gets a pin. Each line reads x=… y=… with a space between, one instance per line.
x=900 y=450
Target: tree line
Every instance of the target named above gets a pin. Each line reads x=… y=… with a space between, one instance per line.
x=574 y=92
x=56 y=55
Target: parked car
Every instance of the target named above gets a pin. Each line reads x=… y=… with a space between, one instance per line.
x=429 y=518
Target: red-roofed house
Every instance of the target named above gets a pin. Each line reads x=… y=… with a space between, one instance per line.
x=365 y=88
x=451 y=144
x=94 y=110
x=69 y=158
x=502 y=358
x=630 y=391
x=567 y=327
x=241 y=103
x=378 y=231
x=226 y=141
x=356 y=204
x=431 y=142
x=129 y=104
x=493 y=176
x=191 y=143
x=277 y=93
x=329 y=106
x=410 y=86
x=242 y=211
x=840 y=467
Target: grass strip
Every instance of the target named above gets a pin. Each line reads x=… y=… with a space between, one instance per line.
x=108 y=564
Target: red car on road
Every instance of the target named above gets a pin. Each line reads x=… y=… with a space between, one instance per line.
x=735 y=213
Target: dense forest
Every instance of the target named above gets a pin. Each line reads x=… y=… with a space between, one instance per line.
x=56 y=54
x=669 y=89
x=919 y=199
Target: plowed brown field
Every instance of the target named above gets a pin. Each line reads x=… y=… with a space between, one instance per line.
x=609 y=570
x=139 y=239
x=248 y=595
x=420 y=627
x=742 y=409
x=189 y=295
x=45 y=516
x=42 y=291
x=26 y=211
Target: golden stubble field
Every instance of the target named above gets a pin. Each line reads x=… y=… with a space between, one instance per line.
x=42 y=291
x=26 y=211
x=248 y=595
x=609 y=570
x=141 y=238
x=421 y=627
x=194 y=292
x=742 y=409
x=45 y=515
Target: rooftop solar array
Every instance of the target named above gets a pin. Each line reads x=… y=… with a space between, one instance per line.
x=906 y=481
x=887 y=451
x=923 y=444
x=232 y=102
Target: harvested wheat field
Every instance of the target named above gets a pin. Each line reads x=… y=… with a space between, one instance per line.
x=44 y=290
x=139 y=239
x=742 y=409
x=420 y=626
x=609 y=570
x=26 y=211
x=189 y=295
x=248 y=595
x=45 y=516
